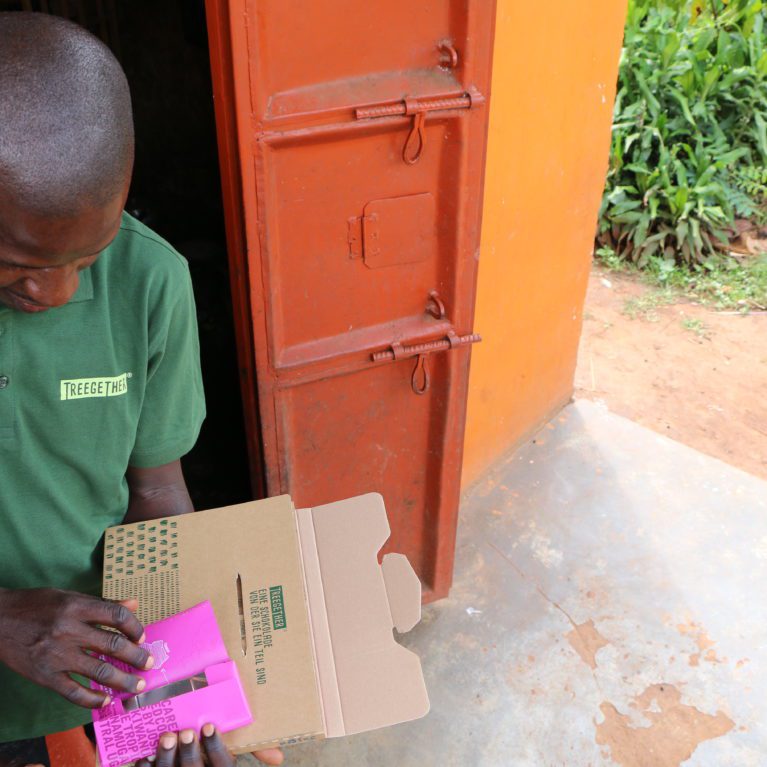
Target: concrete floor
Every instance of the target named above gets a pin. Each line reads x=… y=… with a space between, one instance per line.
x=609 y=608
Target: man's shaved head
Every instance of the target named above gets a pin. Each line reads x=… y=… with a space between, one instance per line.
x=66 y=128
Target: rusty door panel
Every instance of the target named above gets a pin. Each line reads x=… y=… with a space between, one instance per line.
x=312 y=188
x=390 y=441
x=362 y=132
x=320 y=54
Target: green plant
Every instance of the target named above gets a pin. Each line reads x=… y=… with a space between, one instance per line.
x=753 y=181
x=609 y=258
x=721 y=283
x=726 y=283
x=696 y=326
x=645 y=306
x=750 y=193
x=690 y=116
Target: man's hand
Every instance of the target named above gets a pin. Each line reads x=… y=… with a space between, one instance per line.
x=185 y=749
x=45 y=635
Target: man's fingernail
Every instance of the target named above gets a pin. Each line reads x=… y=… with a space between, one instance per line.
x=140 y=685
x=208 y=730
x=106 y=702
x=151 y=758
x=149 y=662
x=168 y=741
x=142 y=638
x=187 y=736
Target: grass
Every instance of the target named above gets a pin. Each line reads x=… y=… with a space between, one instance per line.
x=695 y=326
x=644 y=307
x=724 y=283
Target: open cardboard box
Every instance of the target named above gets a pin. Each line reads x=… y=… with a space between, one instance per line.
x=304 y=607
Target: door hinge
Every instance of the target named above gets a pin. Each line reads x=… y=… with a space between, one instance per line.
x=418 y=108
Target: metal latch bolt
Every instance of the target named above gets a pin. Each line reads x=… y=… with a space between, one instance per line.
x=418 y=108
x=420 y=379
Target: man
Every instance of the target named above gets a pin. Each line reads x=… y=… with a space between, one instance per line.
x=100 y=386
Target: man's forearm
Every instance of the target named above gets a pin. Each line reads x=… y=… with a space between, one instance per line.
x=157 y=492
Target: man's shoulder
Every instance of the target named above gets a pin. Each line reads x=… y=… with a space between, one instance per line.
x=145 y=246
x=140 y=259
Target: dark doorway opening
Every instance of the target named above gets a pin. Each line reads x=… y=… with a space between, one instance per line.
x=176 y=190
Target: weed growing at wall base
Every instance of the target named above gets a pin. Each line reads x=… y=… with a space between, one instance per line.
x=722 y=283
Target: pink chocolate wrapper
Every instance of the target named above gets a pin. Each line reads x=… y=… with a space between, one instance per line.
x=191 y=665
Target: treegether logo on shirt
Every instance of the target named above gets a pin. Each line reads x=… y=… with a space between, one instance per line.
x=80 y=388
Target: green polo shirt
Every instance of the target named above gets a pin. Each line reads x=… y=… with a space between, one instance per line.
x=110 y=380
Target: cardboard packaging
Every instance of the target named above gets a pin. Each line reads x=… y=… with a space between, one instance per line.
x=304 y=607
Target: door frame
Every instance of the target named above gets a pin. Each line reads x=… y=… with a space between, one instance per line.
x=231 y=125
x=241 y=140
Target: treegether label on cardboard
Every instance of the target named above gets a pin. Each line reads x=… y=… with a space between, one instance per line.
x=267 y=615
x=278 y=608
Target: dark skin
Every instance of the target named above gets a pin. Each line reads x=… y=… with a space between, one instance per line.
x=45 y=634
x=192 y=750
x=189 y=749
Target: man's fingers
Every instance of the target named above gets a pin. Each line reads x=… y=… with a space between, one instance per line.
x=131 y=604
x=217 y=753
x=105 y=673
x=117 y=646
x=112 y=614
x=77 y=694
x=189 y=753
x=270 y=756
x=166 y=750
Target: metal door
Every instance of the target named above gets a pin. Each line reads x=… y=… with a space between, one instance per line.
x=352 y=137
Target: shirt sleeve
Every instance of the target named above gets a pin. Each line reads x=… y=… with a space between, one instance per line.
x=173 y=407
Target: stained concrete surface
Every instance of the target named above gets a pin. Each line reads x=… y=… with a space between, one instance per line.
x=608 y=608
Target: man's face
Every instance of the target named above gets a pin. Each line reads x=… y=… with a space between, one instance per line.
x=41 y=257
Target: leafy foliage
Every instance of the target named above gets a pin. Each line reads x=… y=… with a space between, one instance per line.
x=690 y=129
x=749 y=196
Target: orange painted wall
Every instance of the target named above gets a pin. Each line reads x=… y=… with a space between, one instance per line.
x=554 y=73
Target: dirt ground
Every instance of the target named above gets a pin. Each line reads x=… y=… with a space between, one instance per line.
x=686 y=371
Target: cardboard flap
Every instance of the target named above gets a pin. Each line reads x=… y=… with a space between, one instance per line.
x=403 y=590
x=379 y=682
